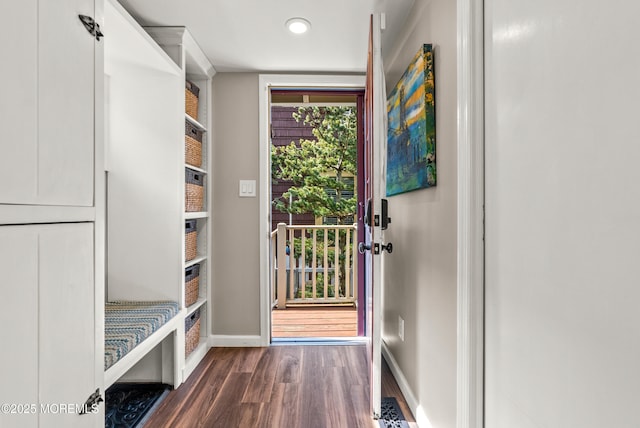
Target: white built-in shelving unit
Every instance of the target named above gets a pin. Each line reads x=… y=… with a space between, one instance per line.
x=144 y=189
x=196 y=68
x=146 y=69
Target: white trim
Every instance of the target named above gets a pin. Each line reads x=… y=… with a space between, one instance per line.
x=314 y=104
x=266 y=82
x=402 y=382
x=378 y=178
x=234 y=341
x=342 y=341
x=409 y=396
x=100 y=202
x=264 y=99
x=27 y=214
x=470 y=364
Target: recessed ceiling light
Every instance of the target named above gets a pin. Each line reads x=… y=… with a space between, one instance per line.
x=298 y=25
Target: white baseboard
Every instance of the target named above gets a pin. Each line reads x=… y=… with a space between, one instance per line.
x=409 y=396
x=234 y=341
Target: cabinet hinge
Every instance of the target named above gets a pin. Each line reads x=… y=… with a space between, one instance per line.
x=92 y=26
x=92 y=402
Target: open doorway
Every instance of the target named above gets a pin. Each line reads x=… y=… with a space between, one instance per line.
x=316 y=190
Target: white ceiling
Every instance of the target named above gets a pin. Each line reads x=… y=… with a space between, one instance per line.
x=249 y=35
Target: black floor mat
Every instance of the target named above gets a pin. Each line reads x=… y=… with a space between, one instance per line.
x=129 y=404
x=390 y=415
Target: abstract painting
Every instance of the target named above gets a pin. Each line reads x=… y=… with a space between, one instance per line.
x=411 y=134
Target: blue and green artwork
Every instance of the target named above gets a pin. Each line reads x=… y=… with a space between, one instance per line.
x=411 y=135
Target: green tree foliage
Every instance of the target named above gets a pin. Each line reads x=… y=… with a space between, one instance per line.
x=316 y=166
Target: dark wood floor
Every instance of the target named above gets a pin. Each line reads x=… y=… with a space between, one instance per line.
x=390 y=388
x=305 y=386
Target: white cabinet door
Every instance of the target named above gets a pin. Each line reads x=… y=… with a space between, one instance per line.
x=47 y=103
x=66 y=308
x=47 y=320
x=18 y=325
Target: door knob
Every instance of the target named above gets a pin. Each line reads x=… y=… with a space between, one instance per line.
x=388 y=247
x=362 y=247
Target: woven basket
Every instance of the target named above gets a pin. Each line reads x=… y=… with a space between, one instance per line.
x=191 y=93
x=192 y=338
x=190 y=240
x=192 y=144
x=191 y=284
x=194 y=190
x=192 y=332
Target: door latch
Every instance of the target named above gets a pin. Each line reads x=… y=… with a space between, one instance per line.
x=92 y=26
x=362 y=248
x=92 y=402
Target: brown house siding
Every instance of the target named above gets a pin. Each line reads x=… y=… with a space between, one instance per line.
x=284 y=130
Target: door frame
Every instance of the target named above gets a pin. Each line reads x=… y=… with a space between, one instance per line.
x=266 y=82
x=470 y=264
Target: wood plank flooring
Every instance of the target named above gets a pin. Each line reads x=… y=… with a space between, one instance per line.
x=390 y=388
x=303 y=386
x=314 y=322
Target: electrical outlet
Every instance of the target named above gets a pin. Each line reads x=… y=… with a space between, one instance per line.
x=401 y=328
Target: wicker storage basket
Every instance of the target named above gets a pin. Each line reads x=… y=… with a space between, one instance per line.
x=192 y=332
x=191 y=284
x=192 y=144
x=194 y=190
x=190 y=240
x=191 y=94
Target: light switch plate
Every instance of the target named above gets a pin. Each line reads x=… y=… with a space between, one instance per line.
x=247 y=188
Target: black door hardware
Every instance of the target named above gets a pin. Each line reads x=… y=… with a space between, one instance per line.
x=92 y=26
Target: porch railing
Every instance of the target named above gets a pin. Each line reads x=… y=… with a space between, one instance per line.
x=313 y=265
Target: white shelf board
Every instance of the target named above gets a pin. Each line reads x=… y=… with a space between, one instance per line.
x=196 y=215
x=198 y=304
x=198 y=259
x=195 y=123
x=195 y=168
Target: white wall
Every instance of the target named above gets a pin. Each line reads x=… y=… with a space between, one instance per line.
x=144 y=118
x=420 y=274
x=562 y=214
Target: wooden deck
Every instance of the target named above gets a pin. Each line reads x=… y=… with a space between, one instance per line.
x=314 y=322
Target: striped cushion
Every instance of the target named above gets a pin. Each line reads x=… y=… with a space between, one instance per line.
x=127 y=324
